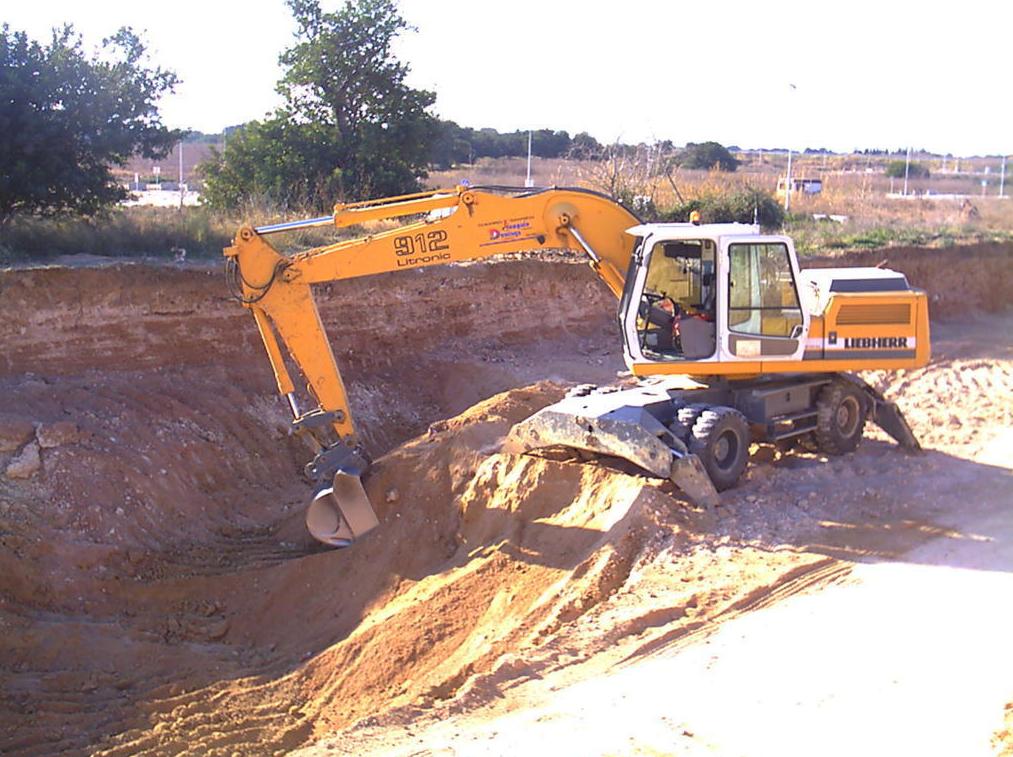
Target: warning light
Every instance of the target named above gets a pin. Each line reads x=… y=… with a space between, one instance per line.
x=694 y=217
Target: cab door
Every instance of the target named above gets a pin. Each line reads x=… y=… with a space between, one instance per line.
x=763 y=316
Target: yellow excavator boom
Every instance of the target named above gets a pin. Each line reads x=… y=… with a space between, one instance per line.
x=457 y=224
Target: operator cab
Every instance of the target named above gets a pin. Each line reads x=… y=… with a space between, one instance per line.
x=711 y=293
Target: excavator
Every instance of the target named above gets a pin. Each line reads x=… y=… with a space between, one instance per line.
x=730 y=341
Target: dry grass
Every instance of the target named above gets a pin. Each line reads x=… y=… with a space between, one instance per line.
x=853 y=186
x=159 y=233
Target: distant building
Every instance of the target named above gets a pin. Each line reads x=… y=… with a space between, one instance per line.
x=800 y=186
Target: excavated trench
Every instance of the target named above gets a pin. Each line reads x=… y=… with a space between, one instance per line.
x=157 y=589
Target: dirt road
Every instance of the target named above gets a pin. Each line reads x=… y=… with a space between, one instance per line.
x=158 y=593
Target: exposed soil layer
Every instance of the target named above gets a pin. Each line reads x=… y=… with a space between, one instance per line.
x=960 y=280
x=158 y=592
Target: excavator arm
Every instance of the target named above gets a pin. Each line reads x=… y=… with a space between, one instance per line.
x=460 y=224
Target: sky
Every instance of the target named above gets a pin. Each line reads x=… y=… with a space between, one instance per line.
x=859 y=74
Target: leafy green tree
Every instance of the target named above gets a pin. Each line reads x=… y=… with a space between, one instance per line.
x=706 y=155
x=895 y=169
x=67 y=116
x=350 y=128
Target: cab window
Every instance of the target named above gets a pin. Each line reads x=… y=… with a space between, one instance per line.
x=762 y=298
x=678 y=304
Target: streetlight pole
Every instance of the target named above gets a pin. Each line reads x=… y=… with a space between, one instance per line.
x=787 y=185
x=527 y=181
x=181 y=190
x=907 y=168
x=787 y=178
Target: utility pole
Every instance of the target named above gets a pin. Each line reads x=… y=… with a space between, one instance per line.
x=1002 y=177
x=787 y=185
x=181 y=189
x=528 y=182
x=907 y=169
x=787 y=178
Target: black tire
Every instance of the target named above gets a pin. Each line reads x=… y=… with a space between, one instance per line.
x=721 y=438
x=685 y=418
x=840 y=418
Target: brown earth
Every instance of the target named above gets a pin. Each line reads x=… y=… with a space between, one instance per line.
x=158 y=592
x=960 y=280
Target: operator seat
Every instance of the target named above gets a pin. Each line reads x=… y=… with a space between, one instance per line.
x=697 y=337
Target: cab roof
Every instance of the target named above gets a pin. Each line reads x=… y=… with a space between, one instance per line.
x=695 y=231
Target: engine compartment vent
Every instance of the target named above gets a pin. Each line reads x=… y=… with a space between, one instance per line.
x=896 y=313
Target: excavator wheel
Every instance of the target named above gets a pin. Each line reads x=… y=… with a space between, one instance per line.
x=720 y=438
x=840 y=418
x=581 y=390
x=685 y=418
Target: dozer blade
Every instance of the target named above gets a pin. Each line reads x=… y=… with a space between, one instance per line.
x=341 y=513
x=689 y=475
x=618 y=425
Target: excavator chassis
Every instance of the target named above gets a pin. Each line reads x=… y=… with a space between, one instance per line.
x=643 y=425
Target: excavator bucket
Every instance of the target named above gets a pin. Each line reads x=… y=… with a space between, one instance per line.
x=341 y=513
x=618 y=425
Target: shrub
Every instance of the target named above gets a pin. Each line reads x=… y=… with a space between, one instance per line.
x=895 y=169
x=741 y=206
x=705 y=156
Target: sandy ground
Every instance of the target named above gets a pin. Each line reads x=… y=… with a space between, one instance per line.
x=158 y=593
x=899 y=644
x=904 y=657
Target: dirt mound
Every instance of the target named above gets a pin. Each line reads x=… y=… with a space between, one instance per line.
x=479 y=555
x=1002 y=742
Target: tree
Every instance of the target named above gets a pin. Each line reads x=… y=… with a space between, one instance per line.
x=350 y=128
x=585 y=147
x=744 y=205
x=896 y=168
x=455 y=144
x=67 y=116
x=706 y=155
